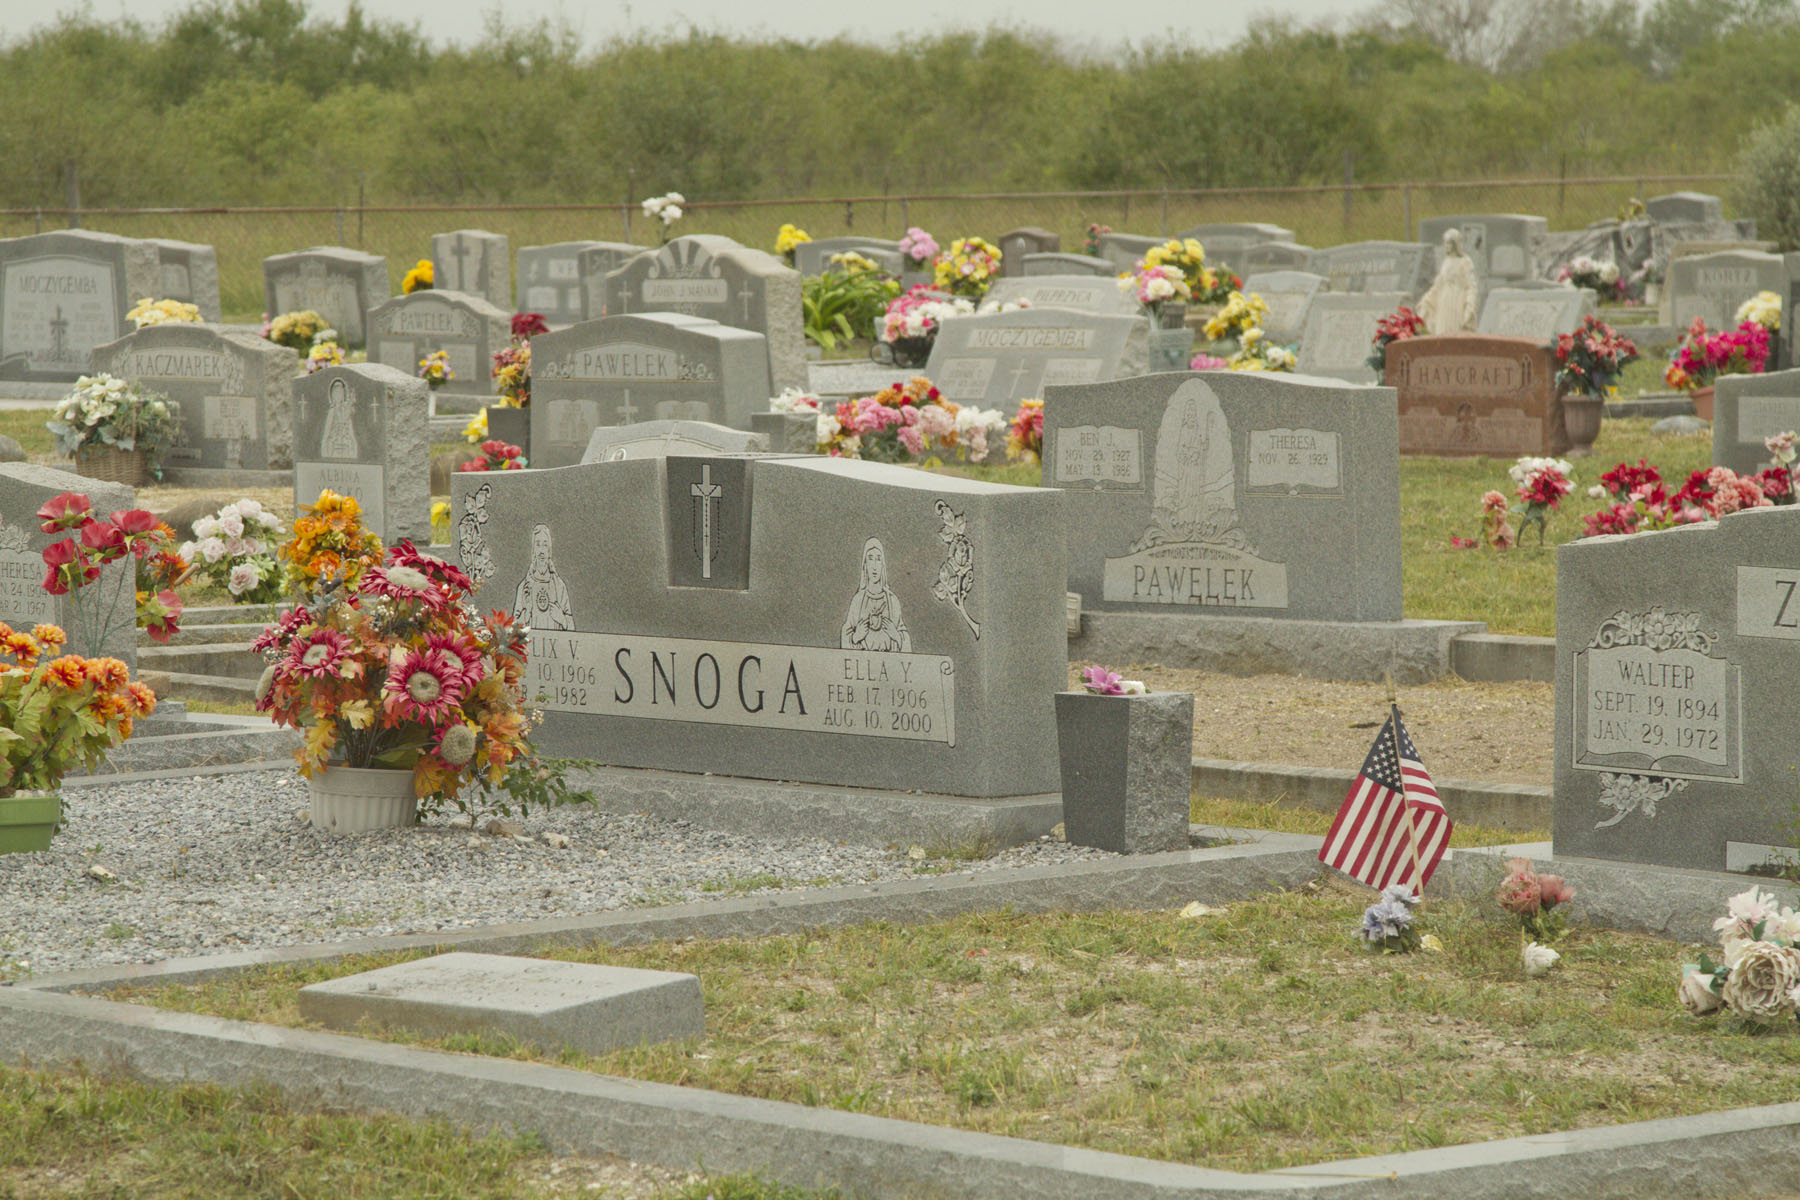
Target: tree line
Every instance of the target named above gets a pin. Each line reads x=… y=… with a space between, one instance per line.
x=260 y=102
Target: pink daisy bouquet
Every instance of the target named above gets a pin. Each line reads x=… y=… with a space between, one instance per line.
x=401 y=671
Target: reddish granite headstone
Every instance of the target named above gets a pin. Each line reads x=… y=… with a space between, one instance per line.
x=1474 y=394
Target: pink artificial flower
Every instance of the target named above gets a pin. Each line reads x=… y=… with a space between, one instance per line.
x=425 y=686
x=318 y=654
x=1520 y=891
x=1103 y=682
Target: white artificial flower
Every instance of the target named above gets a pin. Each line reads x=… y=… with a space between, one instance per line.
x=829 y=427
x=1696 y=994
x=243 y=577
x=1596 y=492
x=671 y=214
x=675 y=198
x=1537 y=959
x=206 y=527
x=212 y=549
x=1133 y=687
x=232 y=523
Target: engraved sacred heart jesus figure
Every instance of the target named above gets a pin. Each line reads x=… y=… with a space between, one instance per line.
x=542 y=600
x=874 y=621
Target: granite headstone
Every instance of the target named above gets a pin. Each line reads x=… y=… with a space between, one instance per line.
x=1339 y=333
x=340 y=285
x=1266 y=257
x=1471 y=393
x=1685 y=208
x=1082 y=293
x=814 y=258
x=1541 y=314
x=25 y=488
x=1068 y=264
x=659 y=439
x=550 y=281
x=466 y=328
x=473 y=261
x=1289 y=295
x=1712 y=286
x=1123 y=250
x=1015 y=244
x=1498 y=243
x=997 y=359
x=362 y=430
x=189 y=273
x=593 y=265
x=1404 y=267
x=63 y=294
x=1747 y=411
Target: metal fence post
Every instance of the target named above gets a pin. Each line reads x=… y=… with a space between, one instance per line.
x=39 y=227
x=1406 y=206
x=849 y=215
x=72 y=192
x=1349 y=182
x=1164 y=232
x=905 y=216
x=340 y=228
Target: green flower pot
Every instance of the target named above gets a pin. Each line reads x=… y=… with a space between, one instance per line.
x=28 y=822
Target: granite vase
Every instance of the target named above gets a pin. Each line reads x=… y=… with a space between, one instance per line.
x=358 y=799
x=1127 y=769
x=28 y=821
x=1582 y=416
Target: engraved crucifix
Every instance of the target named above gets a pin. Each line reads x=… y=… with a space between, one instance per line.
x=1017 y=373
x=59 y=341
x=706 y=496
x=748 y=294
x=461 y=255
x=628 y=410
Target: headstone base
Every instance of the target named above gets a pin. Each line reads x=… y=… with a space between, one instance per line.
x=866 y=816
x=1415 y=651
x=225 y=477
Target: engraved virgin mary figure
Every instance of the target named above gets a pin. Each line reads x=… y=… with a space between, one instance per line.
x=542 y=600
x=1195 y=497
x=874 y=621
x=339 y=438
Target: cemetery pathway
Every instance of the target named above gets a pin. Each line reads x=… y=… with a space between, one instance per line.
x=1499 y=732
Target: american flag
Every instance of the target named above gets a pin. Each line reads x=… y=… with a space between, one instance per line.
x=1370 y=841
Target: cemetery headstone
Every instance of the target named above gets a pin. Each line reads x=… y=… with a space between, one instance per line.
x=473 y=261
x=719 y=280
x=1685 y=208
x=1082 y=293
x=1123 y=250
x=466 y=328
x=1264 y=495
x=233 y=390
x=997 y=359
x=362 y=430
x=1265 y=257
x=548 y=1004
x=189 y=273
x=550 y=281
x=814 y=258
x=64 y=293
x=1498 y=243
x=593 y=265
x=620 y=370
x=1339 y=333
x=659 y=439
x=787 y=432
x=25 y=488
x=1541 y=314
x=814 y=619
x=1289 y=295
x=1748 y=410
x=1470 y=393
x=1675 y=659
x=1226 y=241
x=1067 y=264
x=340 y=285
x=1404 y=267
x=1712 y=286
x=1015 y=244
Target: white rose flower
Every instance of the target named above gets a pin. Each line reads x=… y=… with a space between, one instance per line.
x=1762 y=983
x=232 y=523
x=1537 y=959
x=206 y=527
x=1696 y=994
x=212 y=549
x=243 y=577
x=829 y=427
x=675 y=198
x=671 y=214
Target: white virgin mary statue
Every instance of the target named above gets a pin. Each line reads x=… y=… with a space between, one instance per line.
x=1449 y=305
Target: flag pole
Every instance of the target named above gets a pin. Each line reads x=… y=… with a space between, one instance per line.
x=1412 y=827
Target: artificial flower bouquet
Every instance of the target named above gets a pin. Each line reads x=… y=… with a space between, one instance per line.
x=1102 y=681
x=1636 y=498
x=1187 y=255
x=1763 y=309
x=296 y=330
x=1257 y=353
x=496 y=456
x=968 y=268
x=919 y=313
x=59 y=711
x=787 y=239
x=400 y=671
x=919 y=247
x=512 y=376
x=1701 y=357
x=1589 y=360
x=103 y=411
x=149 y=312
x=232 y=549
x=324 y=354
x=1397 y=326
x=666 y=209
x=900 y=424
x=1025 y=437
x=1757 y=976
x=72 y=565
x=422 y=278
x=1601 y=276
x=1390 y=926
x=435 y=369
x=1153 y=287
x=1535 y=900
x=1240 y=315
x=329 y=540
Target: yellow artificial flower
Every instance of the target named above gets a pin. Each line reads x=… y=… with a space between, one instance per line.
x=423 y=275
x=477 y=429
x=789 y=237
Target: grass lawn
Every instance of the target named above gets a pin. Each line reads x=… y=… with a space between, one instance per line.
x=26 y=427
x=1279 y=817
x=1253 y=1037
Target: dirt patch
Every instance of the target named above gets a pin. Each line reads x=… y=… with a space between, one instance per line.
x=1499 y=732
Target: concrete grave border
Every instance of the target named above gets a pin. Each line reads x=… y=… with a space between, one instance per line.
x=1738 y=1152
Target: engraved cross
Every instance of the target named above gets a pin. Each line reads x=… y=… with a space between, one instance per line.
x=461 y=255
x=748 y=294
x=628 y=410
x=1017 y=373
x=706 y=496
x=59 y=329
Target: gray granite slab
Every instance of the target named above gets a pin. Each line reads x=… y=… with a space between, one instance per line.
x=1541 y=314
x=233 y=389
x=63 y=294
x=1676 y=654
x=541 y=1002
x=997 y=359
x=25 y=488
x=1712 y=286
x=1127 y=770
x=1264 y=257
x=1229 y=493
x=1498 y=243
x=362 y=430
x=865 y=625
x=1226 y=241
x=620 y=370
x=1083 y=293
x=719 y=280
x=550 y=281
x=659 y=439
x=1378 y=267
x=853 y=377
x=1123 y=250
x=1470 y=393
x=474 y=261
x=1067 y=264
x=1289 y=295
x=594 y=264
x=340 y=285
x=1685 y=207
x=1747 y=411
x=814 y=258
x=189 y=272
x=468 y=329
x=1340 y=332
x=1015 y=244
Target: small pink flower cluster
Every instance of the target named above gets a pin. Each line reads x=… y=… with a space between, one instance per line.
x=1702 y=357
x=918 y=246
x=1532 y=898
x=1102 y=682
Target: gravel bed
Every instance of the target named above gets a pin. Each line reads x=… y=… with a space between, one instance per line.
x=215 y=864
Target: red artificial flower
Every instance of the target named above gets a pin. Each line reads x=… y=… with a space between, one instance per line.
x=529 y=324
x=280 y=631
x=317 y=654
x=1462 y=543
x=437 y=569
x=474 y=464
x=135 y=521
x=164 y=615
x=67 y=511
x=425 y=686
x=104 y=539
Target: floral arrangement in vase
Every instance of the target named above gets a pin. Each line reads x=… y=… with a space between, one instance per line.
x=1397 y=326
x=1188 y=256
x=1701 y=357
x=73 y=564
x=1240 y=314
x=1155 y=286
x=400 y=671
x=1763 y=309
x=103 y=412
x=232 y=549
x=324 y=354
x=496 y=456
x=911 y=321
x=149 y=312
x=1257 y=353
x=1025 y=437
x=1095 y=231
x=435 y=370
x=422 y=278
x=899 y=424
x=919 y=247
x=59 y=711
x=787 y=239
x=329 y=540
x=1590 y=359
x=967 y=268
x=296 y=330
x=1103 y=681
x=1757 y=976
x=1602 y=277
x=666 y=209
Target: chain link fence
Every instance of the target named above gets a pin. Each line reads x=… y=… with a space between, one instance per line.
x=1319 y=216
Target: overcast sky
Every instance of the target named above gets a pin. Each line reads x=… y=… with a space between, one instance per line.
x=1080 y=21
